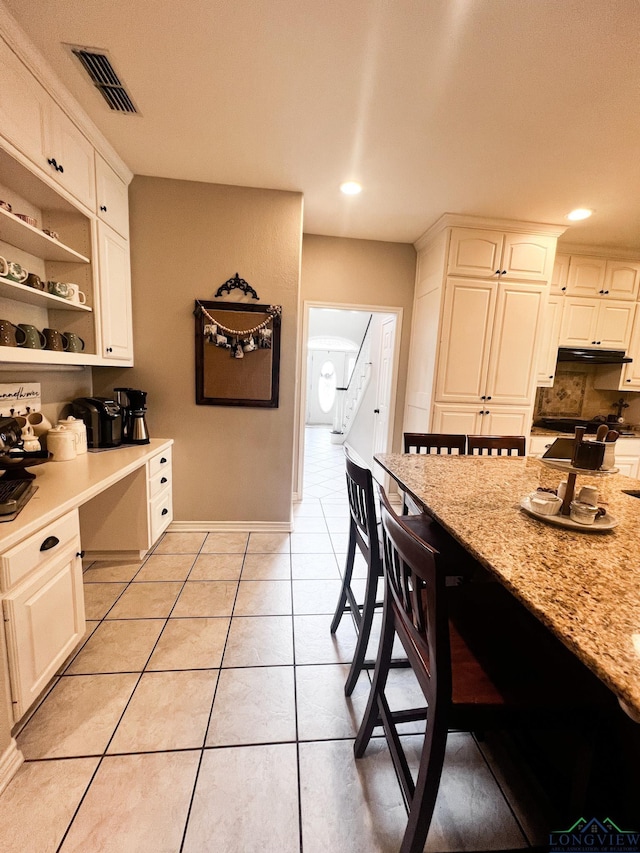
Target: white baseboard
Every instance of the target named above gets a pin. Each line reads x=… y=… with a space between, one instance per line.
x=230 y=526
x=115 y=556
x=10 y=762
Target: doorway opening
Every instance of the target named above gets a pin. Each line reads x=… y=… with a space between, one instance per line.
x=349 y=363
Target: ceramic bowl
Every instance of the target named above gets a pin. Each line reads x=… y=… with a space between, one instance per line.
x=544 y=503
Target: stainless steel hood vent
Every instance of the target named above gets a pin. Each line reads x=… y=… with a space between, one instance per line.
x=593 y=356
x=103 y=76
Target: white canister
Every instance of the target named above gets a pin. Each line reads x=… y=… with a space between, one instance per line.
x=609 y=460
x=77 y=427
x=61 y=444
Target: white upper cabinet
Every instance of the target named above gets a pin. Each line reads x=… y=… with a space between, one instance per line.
x=490 y=333
x=595 y=276
x=69 y=156
x=112 y=198
x=522 y=257
x=515 y=338
x=560 y=274
x=115 y=295
x=469 y=311
x=23 y=105
x=550 y=340
x=596 y=323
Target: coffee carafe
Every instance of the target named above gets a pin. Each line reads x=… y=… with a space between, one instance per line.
x=132 y=401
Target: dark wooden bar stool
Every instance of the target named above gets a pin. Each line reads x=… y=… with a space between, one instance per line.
x=496 y=445
x=473 y=672
x=363 y=534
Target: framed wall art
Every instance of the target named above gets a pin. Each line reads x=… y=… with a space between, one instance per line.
x=237 y=354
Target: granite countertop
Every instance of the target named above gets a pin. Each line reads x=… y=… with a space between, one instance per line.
x=584 y=586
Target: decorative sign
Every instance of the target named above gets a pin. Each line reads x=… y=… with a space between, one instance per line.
x=19 y=399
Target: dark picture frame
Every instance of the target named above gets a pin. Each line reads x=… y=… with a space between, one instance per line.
x=222 y=380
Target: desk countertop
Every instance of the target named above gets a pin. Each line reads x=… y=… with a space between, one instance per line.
x=584 y=586
x=63 y=486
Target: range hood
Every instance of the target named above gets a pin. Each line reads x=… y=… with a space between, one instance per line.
x=593 y=356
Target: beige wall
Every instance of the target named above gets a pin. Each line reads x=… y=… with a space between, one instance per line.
x=187 y=238
x=363 y=272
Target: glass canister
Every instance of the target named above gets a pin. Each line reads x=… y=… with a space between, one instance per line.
x=78 y=427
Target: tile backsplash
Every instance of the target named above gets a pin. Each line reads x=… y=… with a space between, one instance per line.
x=574 y=396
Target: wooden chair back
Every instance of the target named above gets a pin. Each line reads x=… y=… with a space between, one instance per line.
x=362 y=509
x=435 y=442
x=496 y=445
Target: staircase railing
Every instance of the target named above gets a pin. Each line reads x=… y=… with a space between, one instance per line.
x=349 y=398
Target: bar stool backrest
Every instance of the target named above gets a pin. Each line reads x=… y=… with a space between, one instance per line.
x=435 y=442
x=496 y=445
x=362 y=509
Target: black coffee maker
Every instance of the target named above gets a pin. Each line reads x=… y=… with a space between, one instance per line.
x=132 y=403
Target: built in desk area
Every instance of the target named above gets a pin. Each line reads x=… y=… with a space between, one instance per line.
x=584 y=586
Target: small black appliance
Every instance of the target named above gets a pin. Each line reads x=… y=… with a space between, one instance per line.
x=102 y=418
x=133 y=404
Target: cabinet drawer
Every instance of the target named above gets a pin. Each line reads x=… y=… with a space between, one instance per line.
x=159 y=481
x=160 y=462
x=28 y=555
x=160 y=514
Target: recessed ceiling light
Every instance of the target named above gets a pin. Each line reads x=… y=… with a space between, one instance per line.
x=579 y=213
x=351 y=188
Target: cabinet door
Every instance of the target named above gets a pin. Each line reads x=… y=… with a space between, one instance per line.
x=506 y=420
x=621 y=280
x=615 y=321
x=549 y=340
x=517 y=330
x=44 y=621
x=630 y=378
x=469 y=310
x=586 y=276
x=115 y=294
x=73 y=154
x=579 y=322
x=560 y=274
x=112 y=198
x=628 y=465
x=23 y=105
x=528 y=257
x=474 y=252
x=457 y=418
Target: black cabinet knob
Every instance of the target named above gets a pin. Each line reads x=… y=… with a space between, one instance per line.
x=163 y=480
x=483 y=397
x=165 y=511
x=563 y=288
x=551 y=377
x=60 y=169
x=109 y=349
x=376 y=411
x=504 y=272
x=488 y=398
x=80 y=554
x=103 y=208
x=163 y=460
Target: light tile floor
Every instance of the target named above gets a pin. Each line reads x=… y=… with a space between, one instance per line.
x=205 y=711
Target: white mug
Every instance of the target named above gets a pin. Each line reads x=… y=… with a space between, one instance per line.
x=61 y=444
x=39 y=423
x=75 y=294
x=588 y=495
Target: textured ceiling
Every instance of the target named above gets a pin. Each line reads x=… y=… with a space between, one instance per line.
x=507 y=108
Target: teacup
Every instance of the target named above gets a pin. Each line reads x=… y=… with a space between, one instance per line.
x=58 y=288
x=34 y=339
x=35 y=281
x=39 y=423
x=13 y=270
x=75 y=294
x=74 y=342
x=10 y=335
x=54 y=339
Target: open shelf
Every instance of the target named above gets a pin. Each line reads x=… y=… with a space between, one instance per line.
x=22 y=355
x=23 y=293
x=35 y=241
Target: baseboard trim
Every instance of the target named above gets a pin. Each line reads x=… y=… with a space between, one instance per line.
x=230 y=527
x=116 y=556
x=10 y=762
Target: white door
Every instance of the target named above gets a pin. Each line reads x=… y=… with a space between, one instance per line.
x=615 y=321
x=115 y=294
x=326 y=373
x=579 y=321
x=550 y=338
x=381 y=443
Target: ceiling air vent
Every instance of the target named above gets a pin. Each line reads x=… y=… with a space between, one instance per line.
x=103 y=76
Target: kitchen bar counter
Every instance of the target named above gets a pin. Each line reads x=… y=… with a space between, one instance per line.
x=585 y=587
x=63 y=486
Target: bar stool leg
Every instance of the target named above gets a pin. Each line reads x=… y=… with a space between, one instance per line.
x=346 y=582
x=364 y=628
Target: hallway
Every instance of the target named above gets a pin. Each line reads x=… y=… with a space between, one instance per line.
x=205 y=711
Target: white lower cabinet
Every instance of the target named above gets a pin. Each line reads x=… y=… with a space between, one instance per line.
x=43 y=609
x=468 y=419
